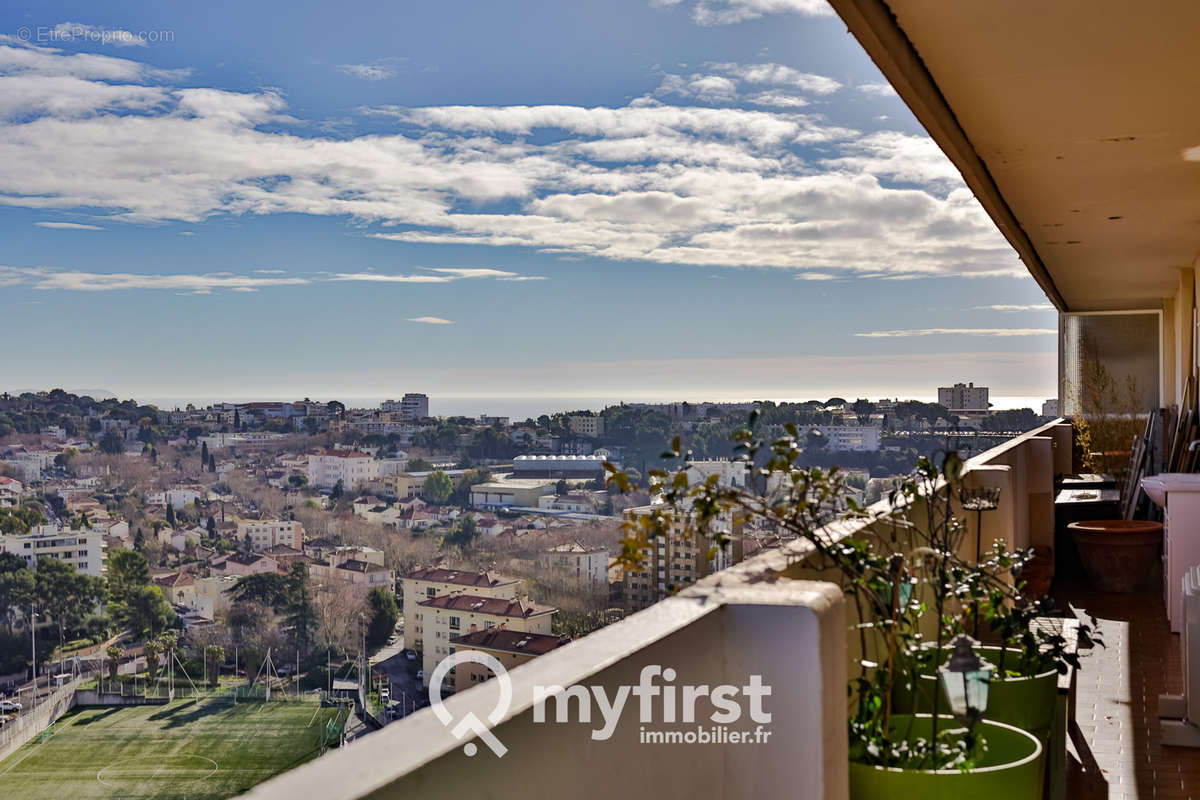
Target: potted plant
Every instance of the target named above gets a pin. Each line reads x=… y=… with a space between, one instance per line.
x=901 y=570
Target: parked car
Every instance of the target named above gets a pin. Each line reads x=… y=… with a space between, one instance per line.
x=9 y=706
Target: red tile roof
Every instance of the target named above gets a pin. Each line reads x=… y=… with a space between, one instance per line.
x=511 y=641
x=458 y=576
x=496 y=606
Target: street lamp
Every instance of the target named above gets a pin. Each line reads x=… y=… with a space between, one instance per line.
x=965 y=678
x=33 y=615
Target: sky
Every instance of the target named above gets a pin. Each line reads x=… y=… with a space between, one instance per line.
x=652 y=199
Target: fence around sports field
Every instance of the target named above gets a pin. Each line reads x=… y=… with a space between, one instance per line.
x=32 y=721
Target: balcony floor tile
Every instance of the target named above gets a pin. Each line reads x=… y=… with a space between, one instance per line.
x=1116 y=749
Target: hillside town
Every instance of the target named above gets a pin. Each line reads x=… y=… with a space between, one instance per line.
x=343 y=536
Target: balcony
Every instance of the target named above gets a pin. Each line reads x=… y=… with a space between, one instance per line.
x=766 y=616
x=1078 y=140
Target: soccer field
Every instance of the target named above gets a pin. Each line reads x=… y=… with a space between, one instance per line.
x=183 y=750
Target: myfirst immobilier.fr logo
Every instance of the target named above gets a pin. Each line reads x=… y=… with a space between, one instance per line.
x=660 y=702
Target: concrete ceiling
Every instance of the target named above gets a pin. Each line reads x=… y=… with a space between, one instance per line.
x=1080 y=116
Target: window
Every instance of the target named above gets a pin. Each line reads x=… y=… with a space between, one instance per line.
x=454 y=623
x=431 y=592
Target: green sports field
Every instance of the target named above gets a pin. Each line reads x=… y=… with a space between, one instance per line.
x=183 y=750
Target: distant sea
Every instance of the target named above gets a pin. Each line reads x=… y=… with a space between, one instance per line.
x=519 y=408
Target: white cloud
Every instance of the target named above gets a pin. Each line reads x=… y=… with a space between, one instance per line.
x=959 y=332
x=268 y=271
x=68 y=226
x=431 y=320
x=729 y=12
x=780 y=75
x=82 y=281
x=370 y=72
x=776 y=99
x=1013 y=308
x=653 y=182
x=815 y=276
x=878 y=89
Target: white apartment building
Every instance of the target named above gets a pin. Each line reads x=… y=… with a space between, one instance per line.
x=583 y=425
x=1050 y=408
x=733 y=473
x=453 y=615
x=350 y=467
x=964 y=397
x=584 y=563
x=84 y=550
x=266 y=533
x=434 y=582
x=414 y=406
x=857 y=438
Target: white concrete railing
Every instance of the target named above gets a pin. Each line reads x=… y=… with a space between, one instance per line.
x=759 y=617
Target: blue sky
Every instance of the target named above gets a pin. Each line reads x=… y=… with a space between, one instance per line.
x=714 y=199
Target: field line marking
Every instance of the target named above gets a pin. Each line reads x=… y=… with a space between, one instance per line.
x=37 y=740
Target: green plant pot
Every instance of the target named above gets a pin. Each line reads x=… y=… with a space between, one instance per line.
x=1010 y=769
x=1026 y=702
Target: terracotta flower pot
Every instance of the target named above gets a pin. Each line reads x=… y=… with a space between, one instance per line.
x=1118 y=555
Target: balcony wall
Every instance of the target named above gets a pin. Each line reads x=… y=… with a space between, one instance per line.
x=766 y=616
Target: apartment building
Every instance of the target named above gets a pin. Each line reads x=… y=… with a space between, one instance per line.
x=434 y=582
x=453 y=615
x=267 y=533
x=84 y=550
x=511 y=648
x=361 y=576
x=414 y=406
x=964 y=397
x=350 y=467
x=574 y=559
x=584 y=425
x=402 y=485
x=853 y=438
x=674 y=561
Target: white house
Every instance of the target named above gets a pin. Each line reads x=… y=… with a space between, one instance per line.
x=350 y=467
x=11 y=490
x=584 y=563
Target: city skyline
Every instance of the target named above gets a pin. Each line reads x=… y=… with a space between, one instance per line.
x=668 y=201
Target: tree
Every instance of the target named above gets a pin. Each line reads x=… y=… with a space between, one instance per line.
x=863 y=409
x=384 y=613
x=815 y=441
x=466 y=533
x=437 y=487
x=145 y=613
x=204 y=453
x=114 y=661
x=269 y=588
x=66 y=595
x=339 y=489
x=419 y=464
x=562 y=487
x=237 y=420
x=112 y=442
x=20 y=519
x=16 y=588
x=153 y=650
x=301 y=616
x=214 y=657
x=127 y=570
x=211 y=527
x=170 y=514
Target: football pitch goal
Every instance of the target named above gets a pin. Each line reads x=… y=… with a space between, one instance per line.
x=187 y=749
